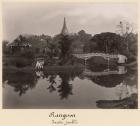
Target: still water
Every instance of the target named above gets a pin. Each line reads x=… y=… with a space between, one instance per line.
x=79 y=88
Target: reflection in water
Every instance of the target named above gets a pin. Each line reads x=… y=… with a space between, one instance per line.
x=107 y=81
x=20 y=81
x=52 y=81
x=65 y=89
x=126 y=92
x=120 y=70
x=123 y=90
x=121 y=82
x=39 y=74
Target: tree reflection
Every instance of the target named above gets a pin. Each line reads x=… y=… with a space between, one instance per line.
x=65 y=89
x=112 y=80
x=131 y=77
x=52 y=81
x=107 y=81
x=126 y=91
x=21 y=81
x=103 y=76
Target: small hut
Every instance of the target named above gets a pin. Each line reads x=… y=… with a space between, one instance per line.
x=19 y=46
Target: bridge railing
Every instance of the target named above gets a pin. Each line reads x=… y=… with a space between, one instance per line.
x=88 y=55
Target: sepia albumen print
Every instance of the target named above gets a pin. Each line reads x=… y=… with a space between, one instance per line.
x=70 y=55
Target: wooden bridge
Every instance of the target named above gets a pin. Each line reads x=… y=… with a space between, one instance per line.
x=89 y=55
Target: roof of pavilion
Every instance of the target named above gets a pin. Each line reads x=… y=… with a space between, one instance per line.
x=25 y=44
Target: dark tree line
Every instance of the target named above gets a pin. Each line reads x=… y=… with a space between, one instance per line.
x=105 y=42
x=63 y=46
x=113 y=43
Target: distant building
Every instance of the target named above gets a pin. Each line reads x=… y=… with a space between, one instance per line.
x=21 y=45
x=18 y=47
x=64 y=30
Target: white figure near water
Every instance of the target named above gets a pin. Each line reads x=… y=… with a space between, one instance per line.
x=39 y=64
x=122 y=70
x=39 y=73
x=122 y=59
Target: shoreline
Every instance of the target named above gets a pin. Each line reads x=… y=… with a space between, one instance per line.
x=48 y=68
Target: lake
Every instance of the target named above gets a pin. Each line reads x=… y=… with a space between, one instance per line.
x=85 y=88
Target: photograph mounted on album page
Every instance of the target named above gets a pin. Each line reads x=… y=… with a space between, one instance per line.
x=70 y=62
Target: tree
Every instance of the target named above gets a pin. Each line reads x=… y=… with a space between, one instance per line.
x=132 y=49
x=83 y=36
x=65 y=47
x=19 y=40
x=106 y=42
x=80 y=40
x=124 y=29
x=53 y=50
x=4 y=46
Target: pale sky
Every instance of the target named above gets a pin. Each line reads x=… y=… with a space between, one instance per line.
x=47 y=18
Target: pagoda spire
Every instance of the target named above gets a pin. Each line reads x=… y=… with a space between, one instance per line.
x=64 y=28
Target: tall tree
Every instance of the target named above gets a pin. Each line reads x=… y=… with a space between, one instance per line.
x=124 y=28
x=65 y=47
x=4 y=46
x=106 y=42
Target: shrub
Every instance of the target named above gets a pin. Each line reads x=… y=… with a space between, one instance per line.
x=28 y=54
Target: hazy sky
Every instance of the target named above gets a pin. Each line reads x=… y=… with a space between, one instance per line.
x=47 y=18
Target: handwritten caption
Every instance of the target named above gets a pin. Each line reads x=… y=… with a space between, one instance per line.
x=63 y=119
